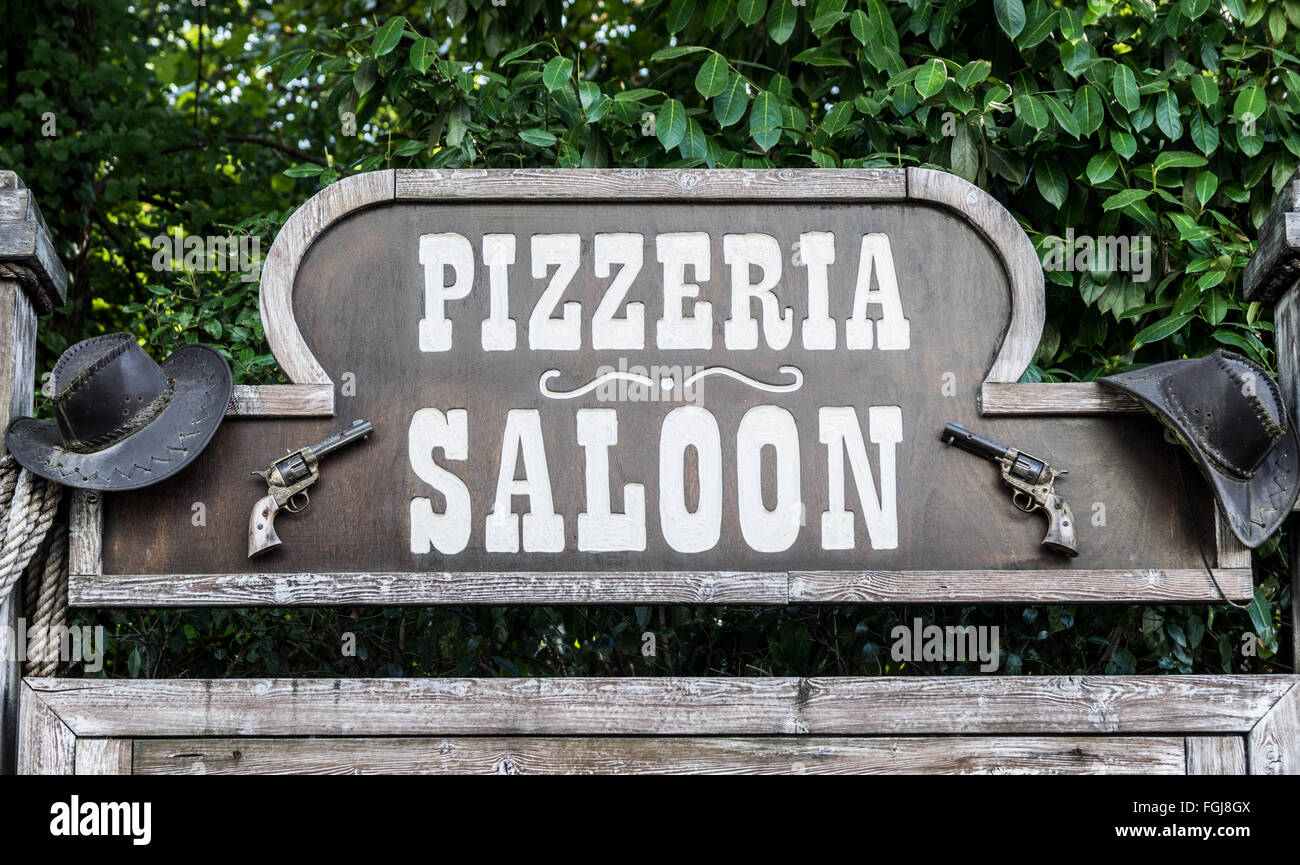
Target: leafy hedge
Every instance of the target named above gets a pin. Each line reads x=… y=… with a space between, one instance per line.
x=1169 y=120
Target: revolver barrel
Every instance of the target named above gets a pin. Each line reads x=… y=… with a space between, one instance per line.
x=359 y=429
x=958 y=436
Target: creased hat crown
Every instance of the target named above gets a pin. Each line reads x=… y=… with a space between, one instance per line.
x=105 y=388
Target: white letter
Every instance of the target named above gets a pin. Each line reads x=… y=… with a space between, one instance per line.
x=543 y=527
x=893 y=329
x=838 y=429
x=437 y=253
x=430 y=429
x=599 y=529
x=545 y=332
x=499 y=328
x=740 y=252
x=606 y=330
x=684 y=531
x=768 y=531
x=817 y=250
x=675 y=330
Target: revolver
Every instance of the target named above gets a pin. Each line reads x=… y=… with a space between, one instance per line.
x=287 y=481
x=1031 y=481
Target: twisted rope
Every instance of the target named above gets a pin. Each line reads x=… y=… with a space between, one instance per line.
x=29 y=505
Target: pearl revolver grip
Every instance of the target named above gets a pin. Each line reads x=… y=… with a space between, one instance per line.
x=287 y=481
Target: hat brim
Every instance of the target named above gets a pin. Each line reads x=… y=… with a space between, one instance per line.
x=155 y=452
x=1253 y=508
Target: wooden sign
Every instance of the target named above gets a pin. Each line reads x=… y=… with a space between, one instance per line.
x=635 y=387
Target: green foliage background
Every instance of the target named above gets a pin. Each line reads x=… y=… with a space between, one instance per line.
x=1173 y=120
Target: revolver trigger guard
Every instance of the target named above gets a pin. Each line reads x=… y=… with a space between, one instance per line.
x=1030 y=505
x=293 y=506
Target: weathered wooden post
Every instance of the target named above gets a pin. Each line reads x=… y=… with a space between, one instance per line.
x=32 y=281
x=1273 y=276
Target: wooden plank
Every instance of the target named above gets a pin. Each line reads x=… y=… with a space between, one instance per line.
x=104 y=756
x=1274 y=743
x=427 y=588
x=46 y=745
x=281 y=266
x=1008 y=586
x=1232 y=553
x=1055 y=755
x=846 y=706
x=17 y=362
x=1024 y=271
x=1022 y=398
x=652 y=184
x=85 y=534
x=1275 y=266
x=1216 y=755
x=282 y=400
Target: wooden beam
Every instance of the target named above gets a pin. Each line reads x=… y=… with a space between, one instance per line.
x=662 y=706
x=1054 y=398
x=282 y=400
x=482 y=755
x=1274 y=743
x=46 y=746
x=1275 y=266
x=104 y=756
x=1216 y=755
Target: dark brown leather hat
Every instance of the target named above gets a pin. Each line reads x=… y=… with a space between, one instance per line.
x=121 y=420
x=1229 y=415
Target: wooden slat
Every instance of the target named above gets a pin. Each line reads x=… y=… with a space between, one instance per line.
x=1274 y=743
x=1064 y=398
x=1024 y=271
x=1030 y=587
x=45 y=744
x=282 y=400
x=634 y=755
x=1216 y=755
x=1232 y=553
x=1275 y=266
x=652 y=184
x=397 y=589
x=104 y=756
x=948 y=705
x=85 y=534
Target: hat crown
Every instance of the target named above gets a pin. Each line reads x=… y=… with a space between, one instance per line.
x=1233 y=408
x=106 y=388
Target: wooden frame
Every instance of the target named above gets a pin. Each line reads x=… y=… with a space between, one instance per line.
x=312 y=394
x=1090 y=724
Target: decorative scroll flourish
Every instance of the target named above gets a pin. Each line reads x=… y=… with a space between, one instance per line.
x=544 y=388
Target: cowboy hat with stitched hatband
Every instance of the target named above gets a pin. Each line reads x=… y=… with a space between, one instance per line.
x=123 y=421
x=1230 y=416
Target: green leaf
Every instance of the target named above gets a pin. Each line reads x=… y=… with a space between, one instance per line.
x=1088 y=111
x=1251 y=103
x=675 y=51
x=965 y=157
x=1032 y=110
x=639 y=94
x=1125 y=86
x=1207 y=183
x=1010 y=15
x=694 y=144
x=538 y=136
x=712 y=77
x=1062 y=114
x=930 y=78
x=751 y=10
x=1124 y=198
x=1205 y=90
x=859 y=26
x=729 y=105
x=1123 y=143
x=973 y=73
x=388 y=36
x=304 y=170
x=1167 y=115
x=1261 y=615
x=423 y=52
x=837 y=119
x=670 y=123
x=296 y=68
x=765 y=120
x=1102 y=167
x=1163 y=328
x=679 y=14
x=556 y=72
x=1214 y=307
x=781 y=18
x=1205 y=135
x=1178 y=159
x=1051 y=181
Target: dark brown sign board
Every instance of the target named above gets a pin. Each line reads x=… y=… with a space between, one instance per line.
x=654 y=387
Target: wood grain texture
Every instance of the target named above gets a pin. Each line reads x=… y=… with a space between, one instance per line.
x=1024 y=271
x=104 y=756
x=1232 y=553
x=652 y=184
x=1006 y=586
x=1273 y=745
x=85 y=533
x=845 y=706
x=280 y=268
x=399 y=589
x=1286 y=318
x=1216 y=755
x=282 y=400
x=45 y=744
x=1023 y=398
x=1275 y=266
x=1058 y=755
